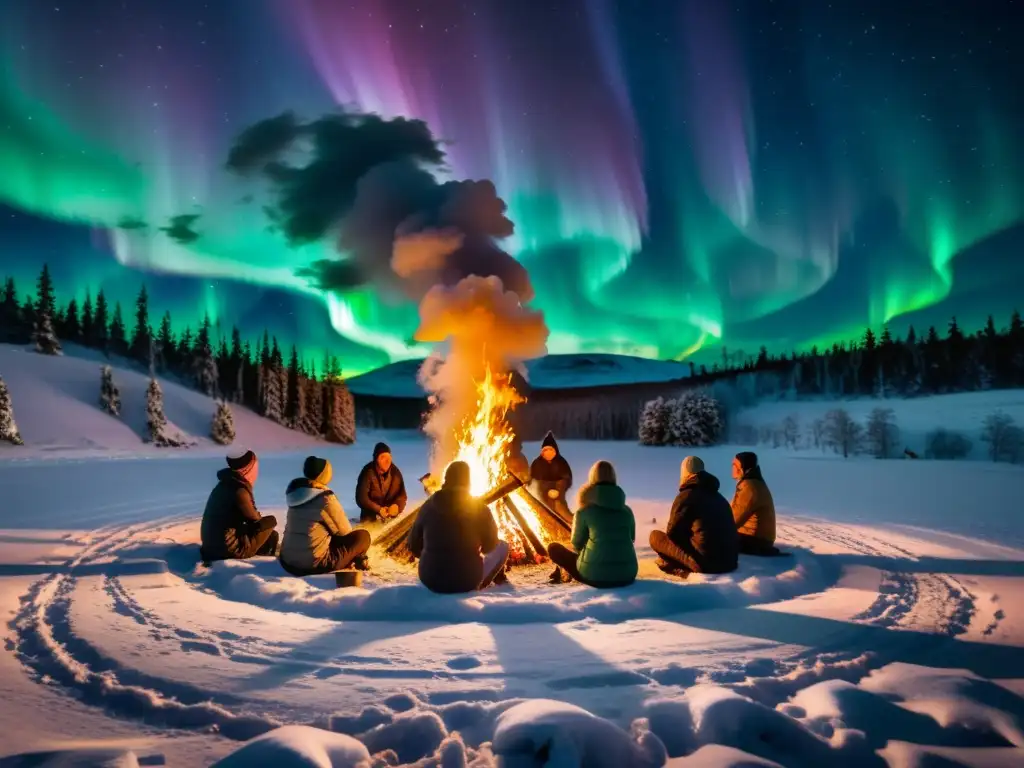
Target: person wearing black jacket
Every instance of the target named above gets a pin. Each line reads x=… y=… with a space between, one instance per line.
x=551 y=476
x=232 y=527
x=380 y=489
x=701 y=535
x=456 y=539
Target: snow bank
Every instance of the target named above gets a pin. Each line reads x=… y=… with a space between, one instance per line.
x=299 y=746
x=56 y=403
x=262 y=582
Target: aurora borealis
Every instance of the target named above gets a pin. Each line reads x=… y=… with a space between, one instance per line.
x=682 y=175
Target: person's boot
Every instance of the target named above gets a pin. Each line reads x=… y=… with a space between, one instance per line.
x=556 y=576
x=361 y=563
x=501 y=578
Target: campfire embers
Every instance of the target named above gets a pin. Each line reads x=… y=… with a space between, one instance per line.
x=524 y=522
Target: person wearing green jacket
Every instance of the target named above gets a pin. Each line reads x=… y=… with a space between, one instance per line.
x=603 y=554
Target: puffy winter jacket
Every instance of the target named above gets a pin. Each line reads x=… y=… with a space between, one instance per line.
x=753 y=508
x=701 y=524
x=314 y=516
x=230 y=519
x=603 y=533
x=375 y=491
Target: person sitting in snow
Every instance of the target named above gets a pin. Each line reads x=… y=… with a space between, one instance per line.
x=380 y=489
x=232 y=528
x=318 y=538
x=701 y=536
x=603 y=532
x=753 y=509
x=551 y=476
x=455 y=538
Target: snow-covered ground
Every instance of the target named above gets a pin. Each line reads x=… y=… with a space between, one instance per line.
x=549 y=372
x=891 y=637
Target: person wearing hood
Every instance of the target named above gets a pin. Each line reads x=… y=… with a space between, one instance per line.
x=753 y=508
x=318 y=537
x=701 y=536
x=455 y=538
x=380 y=489
x=603 y=535
x=551 y=476
x=232 y=527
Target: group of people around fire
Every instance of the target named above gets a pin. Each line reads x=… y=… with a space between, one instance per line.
x=455 y=537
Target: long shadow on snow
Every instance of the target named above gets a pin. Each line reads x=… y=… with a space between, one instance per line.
x=955 y=567
x=830 y=635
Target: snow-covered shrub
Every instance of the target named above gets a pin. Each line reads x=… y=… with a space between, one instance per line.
x=1005 y=439
x=44 y=337
x=882 y=433
x=110 y=395
x=654 y=422
x=222 y=430
x=696 y=419
x=8 y=427
x=156 y=422
x=944 y=444
x=842 y=433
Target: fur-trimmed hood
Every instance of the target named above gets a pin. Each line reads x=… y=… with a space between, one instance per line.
x=301 y=491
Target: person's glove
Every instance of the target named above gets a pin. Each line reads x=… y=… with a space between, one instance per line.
x=552 y=494
x=393 y=510
x=268 y=523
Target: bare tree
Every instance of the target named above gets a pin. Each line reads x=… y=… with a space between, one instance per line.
x=842 y=433
x=818 y=433
x=1003 y=436
x=791 y=430
x=944 y=444
x=882 y=432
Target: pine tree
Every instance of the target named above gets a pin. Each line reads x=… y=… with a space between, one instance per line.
x=222 y=430
x=281 y=374
x=88 y=332
x=653 y=429
x=204 y=365
x=225 y=381
x=156 y=421
x=28 y=315
x=165 y=348
x=341 y=428
x=44 y=337
x=271 y=395
x=72 y=326
x=293 y=400
x=101 y=324
x=11 y=328
x=118 y=334
x=184 y=352
x=236 y=367
x=314 y=407
x=8 y=427
x=46 y=301
x=142 y=336
x=110 y=395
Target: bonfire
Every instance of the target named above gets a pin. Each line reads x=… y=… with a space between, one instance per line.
x=484 y=442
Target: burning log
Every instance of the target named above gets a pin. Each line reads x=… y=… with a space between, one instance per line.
x=392 y=538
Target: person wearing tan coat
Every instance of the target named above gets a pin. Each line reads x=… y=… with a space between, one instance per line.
x=318 y=538
x=753 y=508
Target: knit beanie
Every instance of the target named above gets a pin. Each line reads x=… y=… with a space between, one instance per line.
x=691 y=466
x=457 y=475
x=241 y=462
x=747 y=460
x=380 y=448
x=317 y=470
x=549 y=442
x=602 y=472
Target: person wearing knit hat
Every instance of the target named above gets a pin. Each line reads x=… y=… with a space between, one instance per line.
x=232 y=527
x=318 y=537
x=551 y=477
x=380 y=488
x=753 y=508
x=603 y=553
x=700 y=536
x=455 y=538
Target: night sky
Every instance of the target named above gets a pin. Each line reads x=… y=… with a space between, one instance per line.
x=682 y=175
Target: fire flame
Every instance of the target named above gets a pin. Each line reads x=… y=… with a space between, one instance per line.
x=484 y=441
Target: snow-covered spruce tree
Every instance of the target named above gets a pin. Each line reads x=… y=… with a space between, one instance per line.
x=222 y=430
x=44 y=337
x=341 y=424
x=696 y=419
x=156 y=422
x=270 y=396
x=654 y=422
x=110 y=395
x=8 y=427
x=204 y=363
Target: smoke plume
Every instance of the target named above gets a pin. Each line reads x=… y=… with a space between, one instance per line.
x=481 y=327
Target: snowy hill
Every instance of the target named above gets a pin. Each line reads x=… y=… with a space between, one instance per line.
x=56 y=408
x=550 y=372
